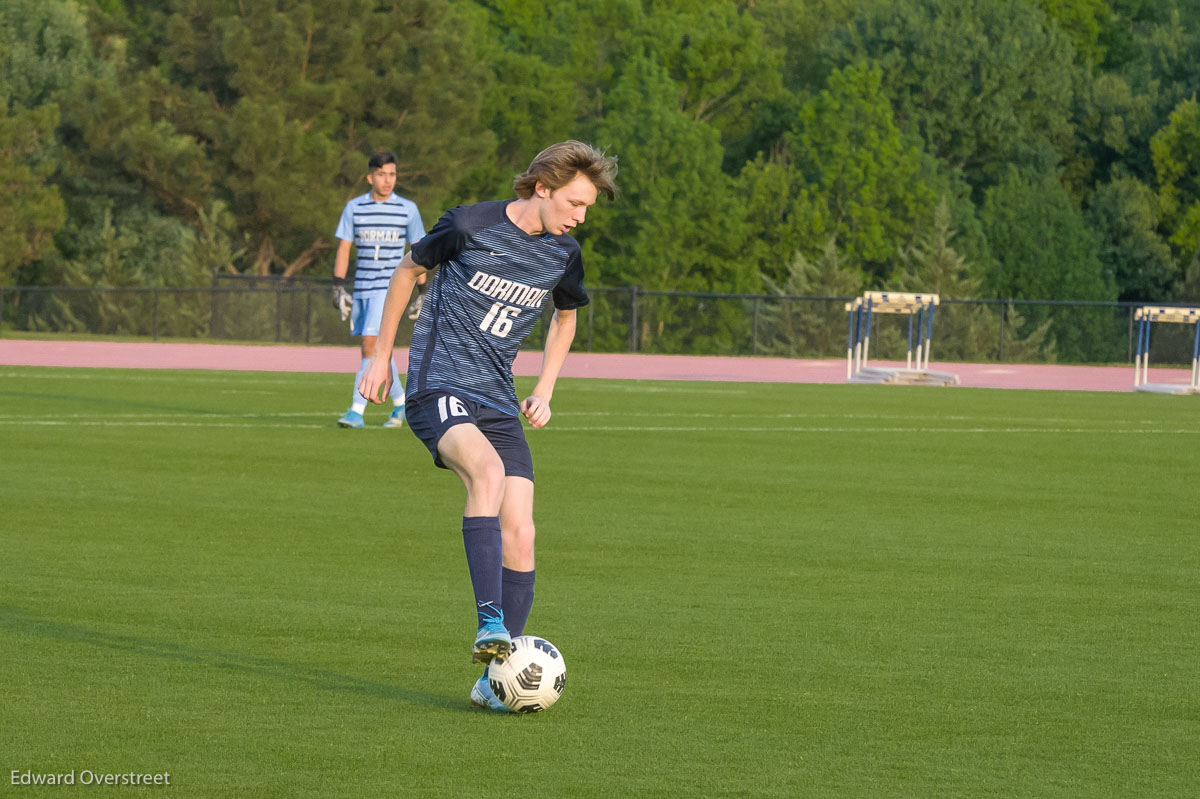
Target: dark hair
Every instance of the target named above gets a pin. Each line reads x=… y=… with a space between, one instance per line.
x=379 y=159
x=558 y=164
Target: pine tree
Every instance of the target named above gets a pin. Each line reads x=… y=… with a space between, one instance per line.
x=809 y=316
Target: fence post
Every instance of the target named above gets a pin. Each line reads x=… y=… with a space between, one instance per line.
x=279 y=311
x=214 y=318
x=754 y=343
x=308 y=315
x=155 y=295
x=591 y=314
x=633 y=318
x=1003 y=327
x=1129 y=354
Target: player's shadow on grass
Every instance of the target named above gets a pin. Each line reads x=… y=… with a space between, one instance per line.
x=15 y=620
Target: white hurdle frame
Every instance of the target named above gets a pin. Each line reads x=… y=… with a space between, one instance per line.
x=919 y=307
x=1145 y=317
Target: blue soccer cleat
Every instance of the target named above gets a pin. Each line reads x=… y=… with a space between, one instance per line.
x=492 y=642
x=483 y=696
x=397 y=417
x=352 y=419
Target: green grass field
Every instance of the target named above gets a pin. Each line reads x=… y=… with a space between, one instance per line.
x=760 y=590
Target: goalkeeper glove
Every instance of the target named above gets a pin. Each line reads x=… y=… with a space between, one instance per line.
x=341 y=298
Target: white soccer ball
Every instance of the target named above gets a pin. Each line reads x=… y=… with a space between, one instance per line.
x=531 y=678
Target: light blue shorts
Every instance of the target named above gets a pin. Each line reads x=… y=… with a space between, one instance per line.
x=366 y=313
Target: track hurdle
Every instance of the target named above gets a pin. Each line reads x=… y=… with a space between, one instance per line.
x=1146 y=316
x=860 y=315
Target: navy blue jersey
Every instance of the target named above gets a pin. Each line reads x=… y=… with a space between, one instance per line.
x=379 y=231
x=491 y=281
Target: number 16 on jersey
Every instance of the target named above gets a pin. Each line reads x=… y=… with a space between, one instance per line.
x=499 y=319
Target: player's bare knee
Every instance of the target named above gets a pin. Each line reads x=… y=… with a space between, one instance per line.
x=518 y=546
x=519 y=537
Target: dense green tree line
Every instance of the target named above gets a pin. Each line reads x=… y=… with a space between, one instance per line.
x=1025 y=149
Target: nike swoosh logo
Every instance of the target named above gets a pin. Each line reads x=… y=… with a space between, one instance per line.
x=496 y=254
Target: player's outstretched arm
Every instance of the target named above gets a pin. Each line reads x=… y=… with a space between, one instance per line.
x=377 y=380
x=558 y=343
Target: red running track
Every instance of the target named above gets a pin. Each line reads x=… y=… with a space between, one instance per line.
x=286 y=358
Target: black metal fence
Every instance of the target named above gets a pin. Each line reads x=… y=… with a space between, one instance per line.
x=624 y=319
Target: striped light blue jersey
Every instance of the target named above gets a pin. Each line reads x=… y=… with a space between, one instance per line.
x=491 y=283
x=379 y=231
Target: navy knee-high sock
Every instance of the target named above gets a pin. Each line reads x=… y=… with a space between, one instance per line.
x=481 y=538
x=518 y=599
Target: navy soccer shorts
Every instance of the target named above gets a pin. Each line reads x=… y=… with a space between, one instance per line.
x=431 y=413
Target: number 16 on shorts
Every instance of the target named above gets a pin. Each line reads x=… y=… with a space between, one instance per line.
x=450 y=406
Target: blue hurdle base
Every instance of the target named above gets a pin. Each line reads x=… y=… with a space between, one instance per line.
x=903 y=377
x=1167 y=388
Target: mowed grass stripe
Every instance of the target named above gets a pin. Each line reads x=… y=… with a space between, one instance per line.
x=876 y=610
x=265 y=420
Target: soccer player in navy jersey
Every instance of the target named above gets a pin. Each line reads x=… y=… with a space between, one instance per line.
x=494 y=265
x=378 y=224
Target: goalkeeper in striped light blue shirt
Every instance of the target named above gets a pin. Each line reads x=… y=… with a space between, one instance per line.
x=379 y=225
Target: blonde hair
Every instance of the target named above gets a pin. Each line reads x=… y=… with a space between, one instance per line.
x=558 y=164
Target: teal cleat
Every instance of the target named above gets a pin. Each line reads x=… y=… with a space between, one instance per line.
x=397 y=417
x=483 y=696
x=352 y=419
x=492 y=642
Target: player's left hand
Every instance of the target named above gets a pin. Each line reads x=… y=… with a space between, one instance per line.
x=537 y=410
x=342 y=301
